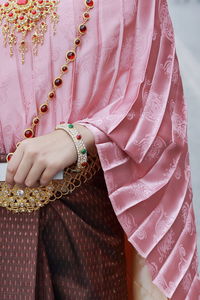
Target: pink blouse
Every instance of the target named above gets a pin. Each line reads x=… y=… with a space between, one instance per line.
x=126 y=87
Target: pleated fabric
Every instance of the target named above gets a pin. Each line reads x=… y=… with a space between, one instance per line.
x=141 y=137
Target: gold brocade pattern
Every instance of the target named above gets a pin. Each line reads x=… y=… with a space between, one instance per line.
x=31 y=199
x=22 y=16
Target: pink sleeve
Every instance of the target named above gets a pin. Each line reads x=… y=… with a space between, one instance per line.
x=142 y=144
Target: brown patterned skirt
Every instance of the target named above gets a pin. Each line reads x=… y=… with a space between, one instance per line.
x=71 y=249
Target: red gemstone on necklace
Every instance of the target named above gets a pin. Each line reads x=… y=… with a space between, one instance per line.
x=90 y=3
x=58 y=81
x=86 y=15
x=64 y=68
x=28 y=133
x=51 y=95
x=83 y=28
x=36 y=120
x=44 y=108
x=77 y=41
x=71 y=55
x=22 y=2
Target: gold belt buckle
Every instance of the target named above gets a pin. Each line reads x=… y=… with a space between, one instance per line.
x=27 y=199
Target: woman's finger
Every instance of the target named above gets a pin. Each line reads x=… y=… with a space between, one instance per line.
x=13 y=165
x=33 y=177
x=48 y=174
x=23 y=170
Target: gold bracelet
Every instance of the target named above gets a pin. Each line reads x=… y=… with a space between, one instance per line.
x=79 y=144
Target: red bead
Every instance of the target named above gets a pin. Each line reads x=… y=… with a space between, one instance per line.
x=6 y=4
x=10 y=14
x=51 y=95
x=77 y=42
x=58 y=81
x=36 y=121
x=89 y=3
x=9 y=156
x=78 y=137
x=82 y=28
x=33 y=12
x=28 y=133
x=64 y=68
x=44 y=108
x=71 y=55
x=86 y=15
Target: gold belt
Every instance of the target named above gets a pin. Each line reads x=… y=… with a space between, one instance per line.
x=31 y=199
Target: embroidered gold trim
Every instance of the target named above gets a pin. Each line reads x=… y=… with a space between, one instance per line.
x=22 y=16
x=26 y=200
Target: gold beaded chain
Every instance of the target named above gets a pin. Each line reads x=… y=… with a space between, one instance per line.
x=28 y=200
x=58 y=81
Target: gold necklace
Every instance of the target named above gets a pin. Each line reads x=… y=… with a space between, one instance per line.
x=23 y=16
x=31 y=199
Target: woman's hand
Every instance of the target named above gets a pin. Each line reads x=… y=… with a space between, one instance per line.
x=36 y=161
